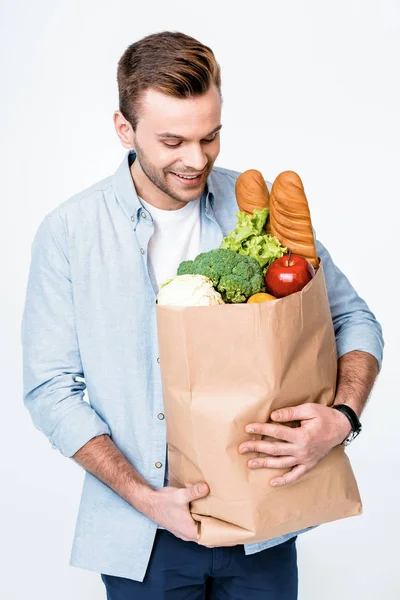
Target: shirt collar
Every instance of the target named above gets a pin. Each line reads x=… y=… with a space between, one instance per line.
x=127 y=195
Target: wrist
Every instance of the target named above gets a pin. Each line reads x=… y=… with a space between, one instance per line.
x=354 y=421
x=348 y=401
x=143 y=499
x=344 y=427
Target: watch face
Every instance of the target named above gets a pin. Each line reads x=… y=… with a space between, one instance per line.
x=352 y=436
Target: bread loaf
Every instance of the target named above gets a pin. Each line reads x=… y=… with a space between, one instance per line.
x=289 y=217
x=251 y=191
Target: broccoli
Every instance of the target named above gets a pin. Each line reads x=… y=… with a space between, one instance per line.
x=235 y=276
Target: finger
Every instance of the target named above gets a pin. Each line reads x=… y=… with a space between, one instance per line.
x=280 y=432
x=289 y=477
x=307 y=410
x=273 y=448
x=199 y=490
x=273 y=463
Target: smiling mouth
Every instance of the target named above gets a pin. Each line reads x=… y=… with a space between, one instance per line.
x=188 y=176
x=188 y=179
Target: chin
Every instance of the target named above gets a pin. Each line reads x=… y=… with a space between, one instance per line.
x=187 y=195
x=187 y=198
x=193 y=195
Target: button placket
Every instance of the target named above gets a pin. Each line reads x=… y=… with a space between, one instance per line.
x=144 y=228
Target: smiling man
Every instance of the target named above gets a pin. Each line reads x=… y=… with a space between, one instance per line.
x=98 y=260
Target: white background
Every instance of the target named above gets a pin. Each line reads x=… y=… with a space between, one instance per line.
x=308 y=86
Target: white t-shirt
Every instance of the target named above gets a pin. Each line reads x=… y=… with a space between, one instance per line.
x=176 y=238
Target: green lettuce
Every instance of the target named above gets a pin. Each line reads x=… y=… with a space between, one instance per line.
x=247 y=238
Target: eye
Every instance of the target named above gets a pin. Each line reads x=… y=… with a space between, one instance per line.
x=206 y=141
x=212 y=139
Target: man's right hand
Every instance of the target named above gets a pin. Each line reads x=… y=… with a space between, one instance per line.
x=169 y=507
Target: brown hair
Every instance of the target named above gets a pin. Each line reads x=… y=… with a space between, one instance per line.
x=172 y=63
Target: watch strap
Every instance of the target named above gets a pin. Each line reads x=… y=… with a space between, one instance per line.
x=353 y=419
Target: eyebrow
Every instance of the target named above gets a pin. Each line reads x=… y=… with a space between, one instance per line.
x=179 y=137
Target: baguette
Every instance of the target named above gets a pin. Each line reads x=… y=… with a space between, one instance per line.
x=289 y=217
x=251 y=191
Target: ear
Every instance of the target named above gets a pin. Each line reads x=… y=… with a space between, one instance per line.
x=124 y=130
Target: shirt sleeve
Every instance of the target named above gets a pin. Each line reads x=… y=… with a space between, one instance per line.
x=355 y=325
x=51 y=357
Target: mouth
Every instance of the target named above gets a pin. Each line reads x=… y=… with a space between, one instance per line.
x=188 y=180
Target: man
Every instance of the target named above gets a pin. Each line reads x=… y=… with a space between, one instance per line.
x=98 y=260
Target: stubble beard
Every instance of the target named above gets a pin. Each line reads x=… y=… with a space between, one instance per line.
x=160 y=182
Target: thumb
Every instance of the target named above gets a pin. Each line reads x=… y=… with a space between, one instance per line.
x=199 y=490
x=294 y=413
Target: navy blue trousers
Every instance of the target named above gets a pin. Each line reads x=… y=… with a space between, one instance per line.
x=180 y=570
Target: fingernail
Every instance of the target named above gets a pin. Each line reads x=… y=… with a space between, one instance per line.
x=254 y=463
x=202 y=488
x=243 y=450
x=250 y=429
x=274 y=483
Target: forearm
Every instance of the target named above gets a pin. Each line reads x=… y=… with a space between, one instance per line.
x=101 y=457
x=357 y=372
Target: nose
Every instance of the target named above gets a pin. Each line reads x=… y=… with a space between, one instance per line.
x=194 y=158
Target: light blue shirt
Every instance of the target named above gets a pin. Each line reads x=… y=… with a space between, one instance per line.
x=90 y=314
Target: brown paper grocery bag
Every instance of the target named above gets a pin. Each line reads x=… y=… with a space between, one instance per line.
x=225 y=366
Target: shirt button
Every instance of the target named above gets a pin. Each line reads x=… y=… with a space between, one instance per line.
x=142 y=250
x=160 y=416
x=143 y=214
x=158 y=465
x=158 y=359
x=132 y=217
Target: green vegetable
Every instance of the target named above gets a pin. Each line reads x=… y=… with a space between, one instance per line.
x=247 y=238
x=234 y=276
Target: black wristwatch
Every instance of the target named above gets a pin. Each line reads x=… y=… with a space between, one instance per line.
x=354 y=422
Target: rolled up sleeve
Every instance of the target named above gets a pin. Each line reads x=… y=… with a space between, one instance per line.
x=51 y=357
x=355 y=325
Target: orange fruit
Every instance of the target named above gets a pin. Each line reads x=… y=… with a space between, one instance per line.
x=261 y=297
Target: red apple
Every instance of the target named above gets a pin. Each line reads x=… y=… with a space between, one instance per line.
x=288 y=274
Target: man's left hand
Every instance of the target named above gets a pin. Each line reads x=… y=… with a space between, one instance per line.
x=299 y=448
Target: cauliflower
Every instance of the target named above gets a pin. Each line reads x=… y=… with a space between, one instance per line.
x=188 y=290
x=235 y=276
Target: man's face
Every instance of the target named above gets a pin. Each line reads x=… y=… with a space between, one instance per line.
x=176 y=136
